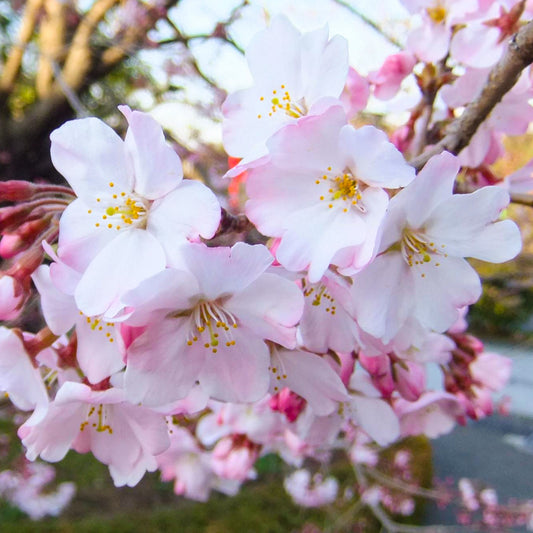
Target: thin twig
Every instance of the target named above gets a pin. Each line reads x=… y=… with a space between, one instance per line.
x=522 y=199
x=370 y=23
x=395 y=527
x=400 y=485
x=70 y=95
x=14 y=60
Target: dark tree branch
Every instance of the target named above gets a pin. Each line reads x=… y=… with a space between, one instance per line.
x=501 y=79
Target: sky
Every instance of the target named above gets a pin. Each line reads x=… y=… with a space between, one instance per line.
x=367 y=48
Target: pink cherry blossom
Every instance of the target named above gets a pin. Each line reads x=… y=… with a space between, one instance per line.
x=434 y=414
x=426 y=235
x=190 y=467
x=491 y=370
x=26 y=489
x=410 y=379
x=133 y=206
x=209 y=324
x=430 y=39
x=375 y=416
x=123 y=436
x=322 y=192
x=234 y=457
x=328 y=318
x=309 y=376
x=294 y=75
x=481 y=42
x=310 y=491
x=100 y=349
x=356 y=92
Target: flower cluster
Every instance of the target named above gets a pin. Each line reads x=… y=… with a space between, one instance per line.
x=163 y=350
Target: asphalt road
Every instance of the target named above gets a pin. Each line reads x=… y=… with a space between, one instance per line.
x=498 y=451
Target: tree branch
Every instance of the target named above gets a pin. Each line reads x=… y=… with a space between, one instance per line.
x=78 y=62
x=522 y=199
x=14 y=60
x=51 y=41
x=501 y=79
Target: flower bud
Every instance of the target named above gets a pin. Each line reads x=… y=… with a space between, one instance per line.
x=17 y=190
x=410 y=380
x=379 y=368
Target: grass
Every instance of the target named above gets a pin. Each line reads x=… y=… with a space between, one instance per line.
x=261 y=506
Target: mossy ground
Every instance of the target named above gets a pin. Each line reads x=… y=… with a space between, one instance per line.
x=261 y=506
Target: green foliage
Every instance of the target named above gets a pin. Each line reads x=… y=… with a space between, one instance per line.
x=506 y=305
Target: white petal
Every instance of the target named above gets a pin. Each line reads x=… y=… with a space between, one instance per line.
x=157 y=166
x=59 y=309
x=186 y=213
x=90 y=155
x=311 y=377
x=238 y=373
x=132 y=257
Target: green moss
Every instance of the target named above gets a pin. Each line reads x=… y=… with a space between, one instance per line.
x=262 y=506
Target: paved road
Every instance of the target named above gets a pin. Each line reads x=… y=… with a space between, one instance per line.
x=497 y=450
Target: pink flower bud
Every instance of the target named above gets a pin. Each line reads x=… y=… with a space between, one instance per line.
x=27 y=263
x=288 y=403
x=388 y=78
x=17 y=190
x=10 y=245
x=410 y=380
x=347 y=365
x=23 y=237
x=234 y=457
x=380 y=371
x=356 y=92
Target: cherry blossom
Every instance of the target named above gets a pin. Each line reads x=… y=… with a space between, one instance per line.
x=426 y=235
x=328 y=318
x=388 y=78
x=133 y=206
x=322 y=192
x=209 y=325
x=190 y=467
x=123 y=436
x=100 y=349
x=311 y=491
x=356 y=92
x=434 y=414
x=309 y=376
x=481 y=42
x=294 y=75
x=430 y=39
x=371 y=413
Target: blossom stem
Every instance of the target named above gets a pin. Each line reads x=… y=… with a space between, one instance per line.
x=43 y=339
